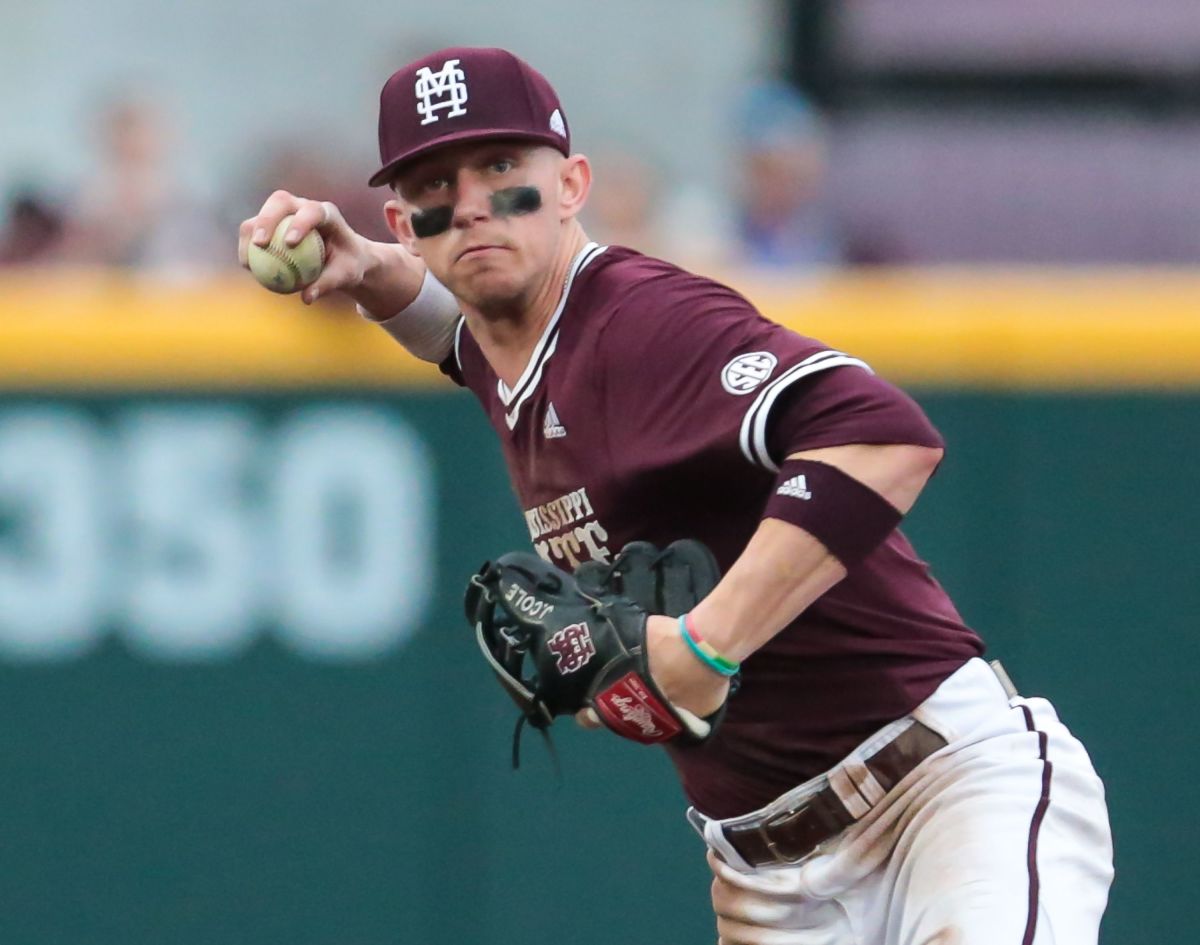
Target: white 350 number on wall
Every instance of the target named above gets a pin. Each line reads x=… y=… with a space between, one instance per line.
x=195 y=526
x=54 y=525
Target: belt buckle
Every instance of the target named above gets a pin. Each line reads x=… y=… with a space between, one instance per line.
x=781 y=818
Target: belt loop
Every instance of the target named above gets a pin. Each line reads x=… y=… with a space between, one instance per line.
x=716 y=839
x=1010 y=689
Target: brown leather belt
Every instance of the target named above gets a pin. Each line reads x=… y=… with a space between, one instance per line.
x=793 y=834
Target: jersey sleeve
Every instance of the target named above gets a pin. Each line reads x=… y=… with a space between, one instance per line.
x=836 y=408
x=693 y=368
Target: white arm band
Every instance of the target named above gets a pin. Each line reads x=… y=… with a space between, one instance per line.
x=426 y=326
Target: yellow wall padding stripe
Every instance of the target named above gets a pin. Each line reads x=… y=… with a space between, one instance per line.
x=1003 y=329
x=99 y=331
x=1023 y=329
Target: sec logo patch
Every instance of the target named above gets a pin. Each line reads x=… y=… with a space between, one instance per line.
x=747 y=371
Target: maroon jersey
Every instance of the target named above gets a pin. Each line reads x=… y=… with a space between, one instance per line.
x=658 y=405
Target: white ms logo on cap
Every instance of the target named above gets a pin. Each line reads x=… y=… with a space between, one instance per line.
x=444 y=89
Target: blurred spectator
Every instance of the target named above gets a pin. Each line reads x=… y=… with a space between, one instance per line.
x=33 y=230
x=783 y=218
x=786 y=215
x=623 y=204
x=629 y=206
x=134 y=210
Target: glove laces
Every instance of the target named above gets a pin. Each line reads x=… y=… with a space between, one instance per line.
x=516 y=743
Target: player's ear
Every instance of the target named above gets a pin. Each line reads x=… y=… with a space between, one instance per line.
x=400 y=225
x=575 y=180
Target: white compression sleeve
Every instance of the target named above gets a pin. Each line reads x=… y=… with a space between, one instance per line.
x=426 y=326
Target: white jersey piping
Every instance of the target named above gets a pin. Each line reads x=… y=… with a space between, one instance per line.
x=532 y=375
x=753 y=434
x=458 y=341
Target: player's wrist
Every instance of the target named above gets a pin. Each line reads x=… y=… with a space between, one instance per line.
x=705 y=652
x=711 y=623
x=683 y=679
x=390 y=279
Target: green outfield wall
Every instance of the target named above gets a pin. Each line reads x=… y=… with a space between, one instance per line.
x=240 y=703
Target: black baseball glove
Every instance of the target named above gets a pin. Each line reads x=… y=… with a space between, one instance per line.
x=560 y=643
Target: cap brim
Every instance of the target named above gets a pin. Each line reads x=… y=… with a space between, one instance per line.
x=386 y=173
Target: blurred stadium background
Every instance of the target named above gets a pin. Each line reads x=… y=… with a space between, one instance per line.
x=239 y=703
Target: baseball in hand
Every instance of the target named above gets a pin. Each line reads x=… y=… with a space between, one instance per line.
x=283 y=268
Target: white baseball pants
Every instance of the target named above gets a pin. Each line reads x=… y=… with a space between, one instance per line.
x=1000 y=838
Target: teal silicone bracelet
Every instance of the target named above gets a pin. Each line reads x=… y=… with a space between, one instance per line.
x=716 y=663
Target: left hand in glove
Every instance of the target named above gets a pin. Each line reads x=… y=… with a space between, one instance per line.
x=560 y=643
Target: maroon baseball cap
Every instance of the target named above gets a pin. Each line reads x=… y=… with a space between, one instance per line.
x=464 y=94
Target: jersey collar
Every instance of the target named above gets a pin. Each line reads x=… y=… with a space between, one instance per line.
x=513 y=398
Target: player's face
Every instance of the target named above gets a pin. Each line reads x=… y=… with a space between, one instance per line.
x=486 y=218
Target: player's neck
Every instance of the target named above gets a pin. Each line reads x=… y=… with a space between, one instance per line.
x=507 y=340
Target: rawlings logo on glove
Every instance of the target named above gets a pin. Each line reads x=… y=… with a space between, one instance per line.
x=560 y=643
x=630 y=709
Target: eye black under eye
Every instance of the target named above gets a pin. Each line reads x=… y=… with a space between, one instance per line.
x=431 y=222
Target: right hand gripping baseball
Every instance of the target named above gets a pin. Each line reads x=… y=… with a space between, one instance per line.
x=558 y=648
x=347 y=254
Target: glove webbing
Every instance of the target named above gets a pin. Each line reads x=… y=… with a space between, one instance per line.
x=661 y=585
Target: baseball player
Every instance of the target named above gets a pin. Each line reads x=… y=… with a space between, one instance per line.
x=871 y=779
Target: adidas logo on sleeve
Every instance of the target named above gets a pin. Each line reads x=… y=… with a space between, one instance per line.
x=552 y=429
x=796 y=487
